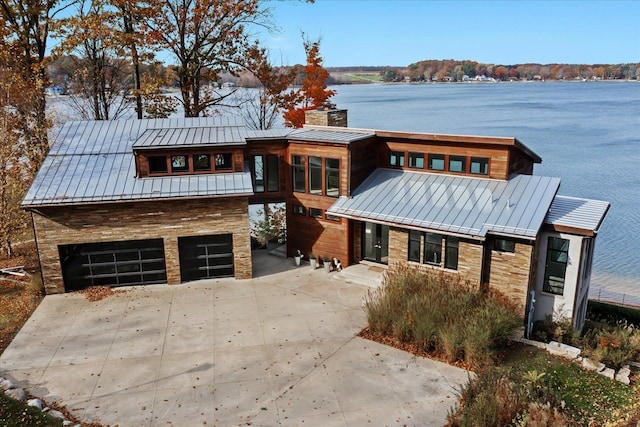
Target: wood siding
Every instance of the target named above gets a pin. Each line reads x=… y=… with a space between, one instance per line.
x=143 y=220
x=498 y=156
x=264 y=148
x=363 y=161
x=142 y=159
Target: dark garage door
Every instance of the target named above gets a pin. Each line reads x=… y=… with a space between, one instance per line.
x=132 y=262
x=204 y=257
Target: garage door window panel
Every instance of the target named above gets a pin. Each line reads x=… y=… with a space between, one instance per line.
x=203 y=257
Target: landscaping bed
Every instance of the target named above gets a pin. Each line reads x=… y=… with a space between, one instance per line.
x=433 y=315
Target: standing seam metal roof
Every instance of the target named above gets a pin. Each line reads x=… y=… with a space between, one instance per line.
x=574 y=212
x=93 y=161
x=454 y=204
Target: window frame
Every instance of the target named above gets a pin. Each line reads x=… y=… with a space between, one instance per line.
x=451 y=252
x=223 y=157
x=502 y=244
x=330 y=217
x=254 y=173
x=558 y=287
x=432 y=241
x=415 y=238
x=435 y=156
x=315 y=213
x=481 y=161
x=330 y=171
x=315 y=175
x=413 y=157
x=298 y=170
x=299 y=210
x=399 y=159
x=273 y=170
x=178 y=166
x=455 y=158
x=157 y=172
x=195 y=160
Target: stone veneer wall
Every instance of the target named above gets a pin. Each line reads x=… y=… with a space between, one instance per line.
x=142 y=220
x=326 y=117
x=469 y=255
x=510 y=273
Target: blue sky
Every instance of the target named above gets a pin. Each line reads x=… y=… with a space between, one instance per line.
x=386 y=32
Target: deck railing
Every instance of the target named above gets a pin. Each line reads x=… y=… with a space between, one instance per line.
x=606 y=295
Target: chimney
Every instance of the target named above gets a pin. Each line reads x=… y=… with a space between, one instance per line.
x=327 y=115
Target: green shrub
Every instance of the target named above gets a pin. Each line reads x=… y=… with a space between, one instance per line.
x=440 y=312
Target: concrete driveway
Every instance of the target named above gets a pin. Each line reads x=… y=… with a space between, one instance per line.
x=277 y=350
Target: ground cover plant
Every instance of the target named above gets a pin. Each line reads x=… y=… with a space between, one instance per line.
x=513 y=385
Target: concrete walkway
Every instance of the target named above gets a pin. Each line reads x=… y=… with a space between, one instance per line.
x=279 y=349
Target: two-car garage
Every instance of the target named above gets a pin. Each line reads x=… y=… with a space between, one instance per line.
x=137 y=262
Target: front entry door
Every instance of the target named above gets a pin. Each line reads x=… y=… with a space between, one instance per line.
x=375 y=243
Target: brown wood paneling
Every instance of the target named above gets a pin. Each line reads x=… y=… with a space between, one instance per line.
x=363 y=161
x=142 y=162
x=498 y=156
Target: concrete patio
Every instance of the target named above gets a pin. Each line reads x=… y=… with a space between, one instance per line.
x=276 y=350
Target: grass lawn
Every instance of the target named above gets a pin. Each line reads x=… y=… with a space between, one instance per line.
x=14 y=413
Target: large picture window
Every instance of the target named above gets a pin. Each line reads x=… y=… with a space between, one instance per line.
x=332 y=173
x=556 y=267
x=297 y=166
x=315 y=175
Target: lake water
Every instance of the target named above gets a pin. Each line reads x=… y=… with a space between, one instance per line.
x=588 y=134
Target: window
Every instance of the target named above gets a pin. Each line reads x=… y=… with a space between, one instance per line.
x=415 y=238
x=201 y=162
x=432 y=248
x=297 y=166
x=556 y=268
x=224 y=161
x=299 y=210
x=504 y=245
x=330 y=217
x=457 y=163
x=436 y=162
x=416 y=160
x=332 y=174
x=397 y=158
x=273 y=177
x=451 y=253
x=480 y=165
x=179 y=164
x=258 y=174
x=315 y=175
x=158 y=164
x=315 y=213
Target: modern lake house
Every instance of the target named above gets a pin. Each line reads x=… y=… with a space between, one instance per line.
x=136 y=202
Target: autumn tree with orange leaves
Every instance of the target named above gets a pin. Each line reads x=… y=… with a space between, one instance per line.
x=314 y=92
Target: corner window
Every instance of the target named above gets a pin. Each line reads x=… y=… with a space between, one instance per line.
x=297 y=167
x=179 y=164
x=451 y=253
x=504 y=245
x=201 y=162
x=416 y=160
x=315 y=213
x=556 y=267
x=480 y=165
x=299 y=210
x=415 y=238
x=396 y=158
x=332 y=174
x=157 y=164
x=457 y=163
x=436 y=162
x=315 y=175
x=432 y=248
x=224 y=161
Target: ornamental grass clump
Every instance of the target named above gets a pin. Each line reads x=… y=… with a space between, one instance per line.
x=440 y=312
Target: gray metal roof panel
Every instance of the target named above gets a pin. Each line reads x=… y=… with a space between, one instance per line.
x=93 y=162
x=456 y=204
x=326 y=135
x=575 y=212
